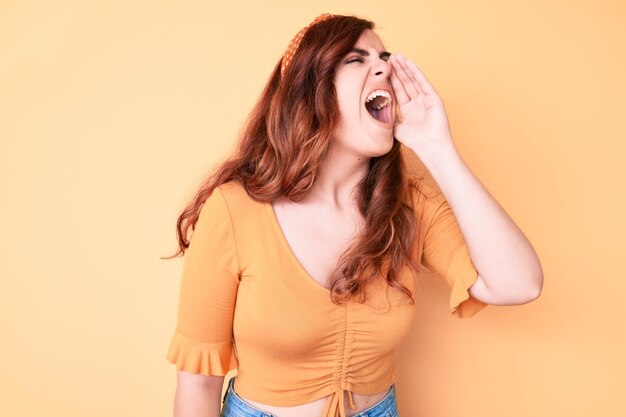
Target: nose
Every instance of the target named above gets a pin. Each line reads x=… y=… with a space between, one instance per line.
x=382 y=67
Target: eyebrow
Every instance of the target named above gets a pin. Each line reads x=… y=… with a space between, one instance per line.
x=383 y=54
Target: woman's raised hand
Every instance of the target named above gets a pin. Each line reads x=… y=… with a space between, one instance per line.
x=424 y=122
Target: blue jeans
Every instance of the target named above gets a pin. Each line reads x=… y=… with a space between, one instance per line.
x=235 y=406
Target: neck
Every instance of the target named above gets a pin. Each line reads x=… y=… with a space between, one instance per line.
x=338 y=178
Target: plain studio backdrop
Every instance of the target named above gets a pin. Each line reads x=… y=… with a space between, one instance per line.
x=112 y=111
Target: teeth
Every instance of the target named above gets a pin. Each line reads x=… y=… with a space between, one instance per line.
x=377 y=93
x=383 y=104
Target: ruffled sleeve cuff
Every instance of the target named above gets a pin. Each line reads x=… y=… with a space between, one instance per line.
x=201 y=357
x=461 y=275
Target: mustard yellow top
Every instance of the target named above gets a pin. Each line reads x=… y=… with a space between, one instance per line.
x=246 y=302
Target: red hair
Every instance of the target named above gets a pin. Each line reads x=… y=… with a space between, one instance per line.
x=286 y=138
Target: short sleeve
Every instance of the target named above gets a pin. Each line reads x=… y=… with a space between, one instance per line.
x=445 y=253
x=203 y=339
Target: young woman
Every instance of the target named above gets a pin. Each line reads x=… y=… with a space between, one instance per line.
x=307 y=242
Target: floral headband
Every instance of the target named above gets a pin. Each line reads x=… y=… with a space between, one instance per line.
x=295 y=42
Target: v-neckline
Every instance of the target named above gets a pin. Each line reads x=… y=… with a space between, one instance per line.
x=283 y=239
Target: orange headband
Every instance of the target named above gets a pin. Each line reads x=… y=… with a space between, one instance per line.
x=295 y=42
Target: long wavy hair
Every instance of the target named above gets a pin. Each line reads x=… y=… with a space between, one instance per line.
x=283 y=143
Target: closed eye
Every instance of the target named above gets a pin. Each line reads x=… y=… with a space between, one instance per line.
x=354 y=59
x=384 y=57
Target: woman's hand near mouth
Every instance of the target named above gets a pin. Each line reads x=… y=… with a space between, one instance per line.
x=424 y=124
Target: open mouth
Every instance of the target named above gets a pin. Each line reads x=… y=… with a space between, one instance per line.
x=378 y=105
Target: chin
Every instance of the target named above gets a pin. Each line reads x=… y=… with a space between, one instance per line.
x=385 y=147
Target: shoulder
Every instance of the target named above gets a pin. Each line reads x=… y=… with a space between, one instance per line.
x=237 y=198
x=230 y=186
x=233 y=192
x=426 y=197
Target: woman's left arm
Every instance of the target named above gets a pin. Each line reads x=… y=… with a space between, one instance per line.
x=509 y=269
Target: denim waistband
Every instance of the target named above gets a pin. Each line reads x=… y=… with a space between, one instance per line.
x=235 y=406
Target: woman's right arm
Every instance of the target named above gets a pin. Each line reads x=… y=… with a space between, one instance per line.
x=198 y=395
x=202 y=346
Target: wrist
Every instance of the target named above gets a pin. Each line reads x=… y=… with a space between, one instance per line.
x=437 y=156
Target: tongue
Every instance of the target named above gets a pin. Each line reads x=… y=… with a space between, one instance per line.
x=382 y=115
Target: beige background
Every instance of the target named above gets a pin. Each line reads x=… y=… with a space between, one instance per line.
x=112 y=111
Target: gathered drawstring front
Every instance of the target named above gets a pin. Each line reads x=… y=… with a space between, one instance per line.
x=335 y=406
